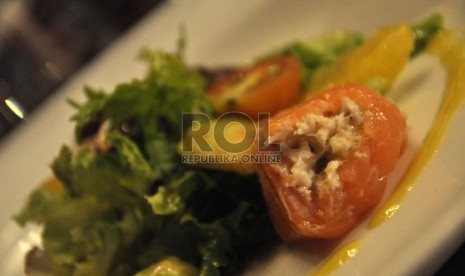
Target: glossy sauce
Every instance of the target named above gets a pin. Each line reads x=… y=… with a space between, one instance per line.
x=451 y=51
x=338 y=259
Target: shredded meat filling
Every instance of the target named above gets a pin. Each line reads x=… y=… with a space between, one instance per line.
x=315 y=147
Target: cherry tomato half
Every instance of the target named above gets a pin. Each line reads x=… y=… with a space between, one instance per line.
x=268 y=86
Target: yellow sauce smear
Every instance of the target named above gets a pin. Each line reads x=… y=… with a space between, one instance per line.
x=338 y=259
x=450 y=48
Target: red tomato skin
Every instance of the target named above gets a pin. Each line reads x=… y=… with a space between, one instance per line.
x=274 y=94
x=363 y=174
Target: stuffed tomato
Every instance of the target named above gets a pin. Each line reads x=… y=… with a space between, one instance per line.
x=337 y=150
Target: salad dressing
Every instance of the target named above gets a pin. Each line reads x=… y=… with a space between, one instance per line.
x=338 y=259
x=451 y=51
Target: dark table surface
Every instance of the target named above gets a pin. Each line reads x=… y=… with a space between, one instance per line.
x=43 y=42
x=455 y=265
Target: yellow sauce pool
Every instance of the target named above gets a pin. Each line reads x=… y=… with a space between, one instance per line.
x=451 y=50
x=338 y=259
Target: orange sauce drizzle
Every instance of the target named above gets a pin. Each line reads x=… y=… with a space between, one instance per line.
x=338 y=259
x=450 y=48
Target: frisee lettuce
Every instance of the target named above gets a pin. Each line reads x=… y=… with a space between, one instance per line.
x=127 y=200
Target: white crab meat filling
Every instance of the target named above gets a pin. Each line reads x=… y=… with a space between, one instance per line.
x=317 y=145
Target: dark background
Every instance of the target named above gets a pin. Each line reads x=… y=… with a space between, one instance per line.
x=43 y=42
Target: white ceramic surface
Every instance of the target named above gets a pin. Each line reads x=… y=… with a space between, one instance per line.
x=417 y=239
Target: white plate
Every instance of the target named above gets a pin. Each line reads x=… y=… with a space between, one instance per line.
x=417 y=239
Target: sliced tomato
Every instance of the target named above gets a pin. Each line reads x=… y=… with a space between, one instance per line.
x=268 y=86
x=356 y=137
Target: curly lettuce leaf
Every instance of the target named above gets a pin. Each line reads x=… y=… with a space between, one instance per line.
x=88 y=118
x=128 y=202
x=217 y=215
x=425 y=30
x=86 y=235
x=88 y=171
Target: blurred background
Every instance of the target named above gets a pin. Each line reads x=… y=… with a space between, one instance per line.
x=43 y=42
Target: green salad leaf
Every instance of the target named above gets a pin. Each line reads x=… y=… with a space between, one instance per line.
x=425 y=30
x=127 y=202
